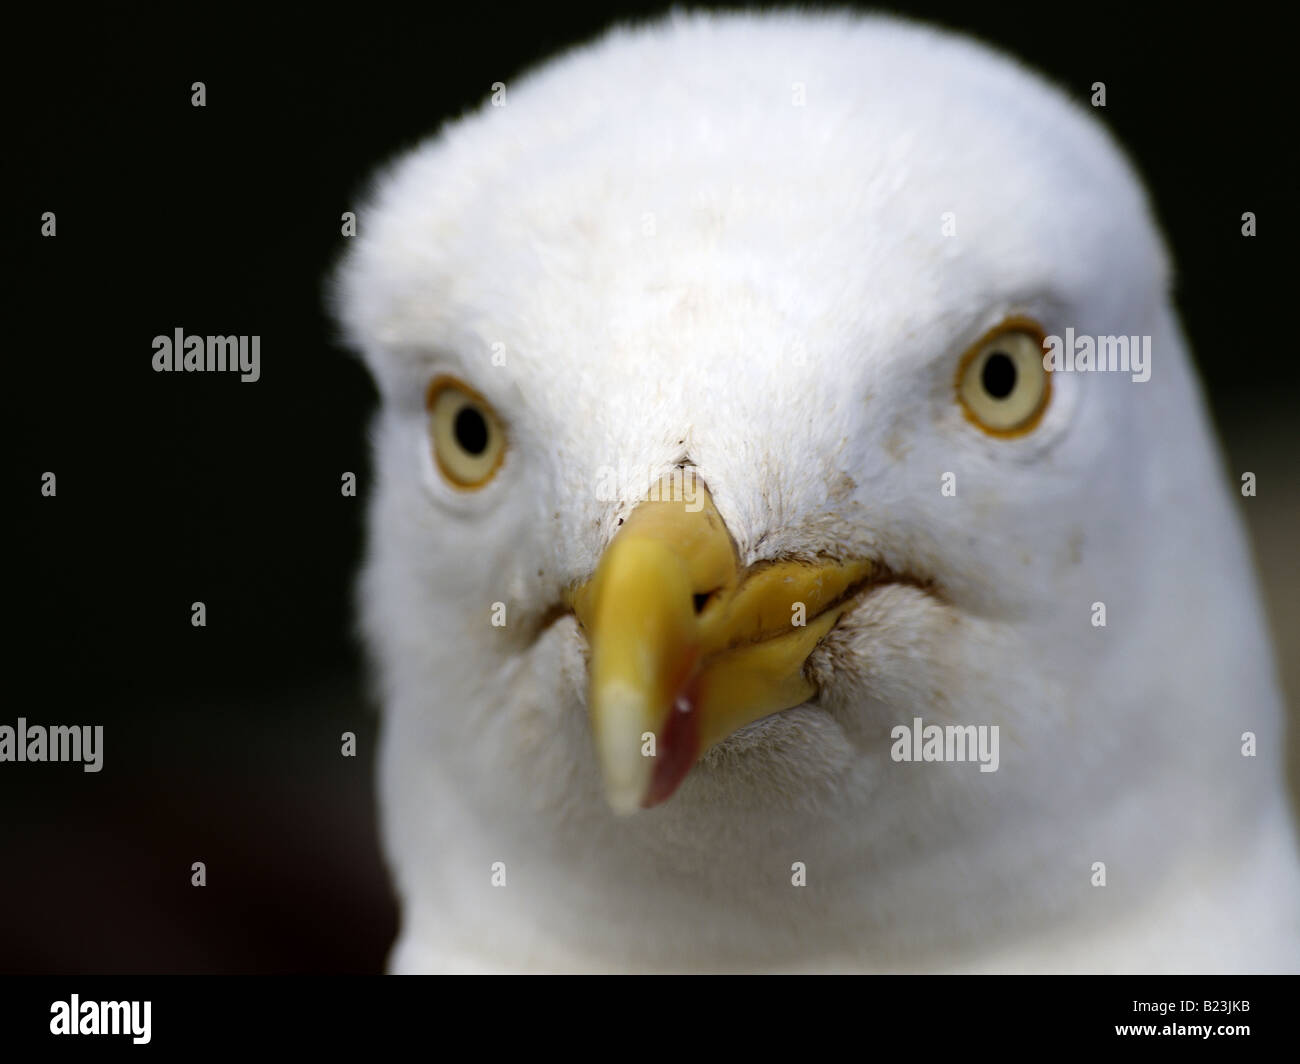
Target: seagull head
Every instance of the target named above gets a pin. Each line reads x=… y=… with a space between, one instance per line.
x=717 y=442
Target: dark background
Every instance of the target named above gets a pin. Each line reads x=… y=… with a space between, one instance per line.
x=222 y=743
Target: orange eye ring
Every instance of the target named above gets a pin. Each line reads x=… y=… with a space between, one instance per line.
x=469 y=441
x=1001 y=383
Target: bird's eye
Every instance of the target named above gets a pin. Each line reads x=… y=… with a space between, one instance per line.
x=468 y=440
x=1001 y=381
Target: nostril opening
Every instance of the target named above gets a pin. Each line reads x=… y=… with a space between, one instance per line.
x=702 y=599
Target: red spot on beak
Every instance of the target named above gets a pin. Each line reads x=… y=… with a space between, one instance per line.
x=678 y=747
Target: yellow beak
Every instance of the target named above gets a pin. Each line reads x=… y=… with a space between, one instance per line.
x=686 y=647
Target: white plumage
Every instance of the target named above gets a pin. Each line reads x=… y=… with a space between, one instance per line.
x=728 y=242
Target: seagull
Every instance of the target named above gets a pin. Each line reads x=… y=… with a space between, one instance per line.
x=717 y=455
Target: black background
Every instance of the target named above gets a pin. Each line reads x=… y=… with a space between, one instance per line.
x=222 y=743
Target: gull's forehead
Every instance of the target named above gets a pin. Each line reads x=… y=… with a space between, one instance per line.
x=726 y=198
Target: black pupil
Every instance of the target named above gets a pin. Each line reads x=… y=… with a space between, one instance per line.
x=999 y=376
x=471 y=430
